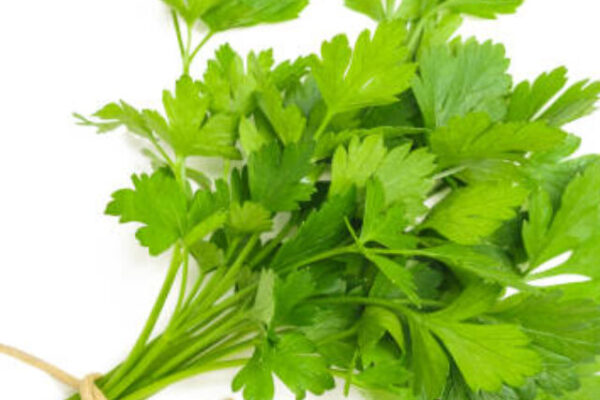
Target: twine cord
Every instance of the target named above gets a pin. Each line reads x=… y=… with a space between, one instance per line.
x=86 y=386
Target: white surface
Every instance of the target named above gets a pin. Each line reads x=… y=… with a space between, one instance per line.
x=74 y=286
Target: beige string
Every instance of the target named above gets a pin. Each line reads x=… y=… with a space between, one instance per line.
x=86 y=386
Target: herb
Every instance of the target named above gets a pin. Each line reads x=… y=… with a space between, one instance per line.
x=377 y=202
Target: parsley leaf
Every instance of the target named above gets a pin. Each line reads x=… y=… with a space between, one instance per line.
x=548 y=234
x=474 y=137
x=229 y=14
x=192 y=10
x=188 y=132
x=250 y=217
x=256 y=379
x=397 y=274
x=353 y=167
x=322 y=230
x=461 y=78
x=227 y=85
x=383 y=224
x=429 y=362
x=115 y=115
x=277 y=176
x=483 y=8
x=293 y=359
x=406 y=178
x=373 y=74
x=469 y=215
x=159 y=203
x=488 y=355
x=486 y=262
x=529 y=100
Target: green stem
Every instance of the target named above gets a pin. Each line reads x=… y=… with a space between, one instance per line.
x=225 y=349
x=181 y=173
x=415 y=38
x=162 y=152
x=419 y=29
x=272 y=245
x=184 y=280
x=232 y=248
x=199 y=320
x=353 y=249
x=186 y=57
x=231 y=275
x=340 y=336
x=178 y=31
x=195 y=290
x=159 y=385
x=350 y=374
x=139 y=347
x=217 y=331
x=324 y=124
x=196 y=304
x=396 y=304
x=208 y=36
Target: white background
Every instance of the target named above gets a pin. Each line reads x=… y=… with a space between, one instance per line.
x=74 y=286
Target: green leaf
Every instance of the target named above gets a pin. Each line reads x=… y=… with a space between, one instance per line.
x=288 y=122
x=186 y=110
x=474 y=300
x=264 y=303
x=483 y=8
x=576 y=102
x=460 y=78
x=575 y=222
x=353 y=167
x=429 y=362
x=256 y=379
x=189 y=132
x=116 y=115
x=294 y=360
x=158 y=202
x=383 y=224
x=583 y=262
x=250 y=218
x=469 y=215
x=397 y=274
x=373 y=74
x=205 y=227
x=483 y=261
x=375 y=323
x=372 y=8
x=252 y=138
x=457 y=389
x=231 y=14
x=207 y=255
x=528 y=99
x=321 y=231
x=488 y=355
x=291 y=292
x=390 y=376
x=277 y=176
x=406 y=179
x=191 y=10
x=475 y=138
x=227 y=85
x=570 y=328
x=388 y=10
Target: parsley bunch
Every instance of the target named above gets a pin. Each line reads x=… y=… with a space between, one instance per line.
x=377 y=202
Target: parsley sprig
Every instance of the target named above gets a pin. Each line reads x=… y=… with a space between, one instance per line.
x=377 y=202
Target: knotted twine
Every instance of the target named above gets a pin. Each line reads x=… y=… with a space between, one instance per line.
x=87 y=386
